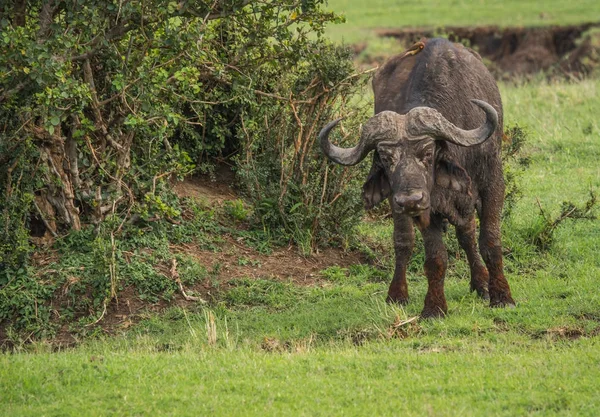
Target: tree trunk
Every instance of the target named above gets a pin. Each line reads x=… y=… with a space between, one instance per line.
x=20 y=13
x=59 y=190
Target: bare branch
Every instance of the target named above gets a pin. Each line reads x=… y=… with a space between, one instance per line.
x=46 y=223
x=89 y=78
x=175 y=276
x=113 y=33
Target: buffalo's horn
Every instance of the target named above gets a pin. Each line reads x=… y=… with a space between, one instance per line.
x=384 y=125
x=428 y=121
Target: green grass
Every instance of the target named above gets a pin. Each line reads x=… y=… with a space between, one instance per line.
x=364 y=16
x=390 y=378
x=564 y=147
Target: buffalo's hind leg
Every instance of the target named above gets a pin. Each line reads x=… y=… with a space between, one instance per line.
x=404 y=241
x=490 y=244
x=479 y=274
x=436 y=262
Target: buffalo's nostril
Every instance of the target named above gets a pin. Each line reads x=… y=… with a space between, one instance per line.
x=409 y=201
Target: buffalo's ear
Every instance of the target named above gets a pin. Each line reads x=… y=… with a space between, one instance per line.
x=377 y=187
x=450 y=175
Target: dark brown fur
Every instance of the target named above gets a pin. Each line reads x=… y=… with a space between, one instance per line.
x=461 y=181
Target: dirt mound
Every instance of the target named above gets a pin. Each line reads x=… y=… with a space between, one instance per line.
x=563 y=50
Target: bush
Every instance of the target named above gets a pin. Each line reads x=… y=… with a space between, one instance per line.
x=102 y=102
x=281 y=167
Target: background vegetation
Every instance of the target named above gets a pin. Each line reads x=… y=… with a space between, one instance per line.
x=263 y=345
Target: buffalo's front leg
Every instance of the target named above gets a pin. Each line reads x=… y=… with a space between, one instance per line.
x=404 y=241
x=490 y=244
x=436 y=261
x=479 y=274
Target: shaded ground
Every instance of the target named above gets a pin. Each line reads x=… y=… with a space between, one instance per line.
x=208 y=190
x=571 y=51
x=235 y=260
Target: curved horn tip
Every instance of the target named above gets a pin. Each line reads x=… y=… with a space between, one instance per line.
x=330 y=126
x=339 y=119
x=484 y=105
x=480 y=103
x=344 y=156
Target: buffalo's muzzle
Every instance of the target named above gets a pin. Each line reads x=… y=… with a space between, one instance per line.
x=411 y=204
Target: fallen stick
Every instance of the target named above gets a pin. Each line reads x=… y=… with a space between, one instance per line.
x=175 y=276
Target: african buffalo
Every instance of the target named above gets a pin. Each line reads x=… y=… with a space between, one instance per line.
x=436 y=137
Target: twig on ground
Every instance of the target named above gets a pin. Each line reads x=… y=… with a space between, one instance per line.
x=404 y=322
x=101 y=316
x=175 y=276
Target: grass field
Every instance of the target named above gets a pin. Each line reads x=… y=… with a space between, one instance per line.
x=362 y=16
x=335 y=348
x=390 y=378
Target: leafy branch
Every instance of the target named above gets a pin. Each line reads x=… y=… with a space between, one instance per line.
x=544 y=235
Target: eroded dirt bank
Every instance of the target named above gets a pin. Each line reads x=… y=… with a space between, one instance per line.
x=572 y=51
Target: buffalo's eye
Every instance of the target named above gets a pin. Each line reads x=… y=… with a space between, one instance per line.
x=427 y=156
x=385 y=158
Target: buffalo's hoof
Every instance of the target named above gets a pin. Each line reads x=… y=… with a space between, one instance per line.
x=501 y=301
x=433 y=313
x=502 y=304
x=397 y=300
x=482 y=292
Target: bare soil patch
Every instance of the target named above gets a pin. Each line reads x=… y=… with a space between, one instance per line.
x=208 y=189
x=235 y=260
x=571 y=51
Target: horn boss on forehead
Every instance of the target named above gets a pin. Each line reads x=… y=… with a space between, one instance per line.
x=418 y=122
x=428 y=121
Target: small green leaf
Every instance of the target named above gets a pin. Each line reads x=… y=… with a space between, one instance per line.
x=295 y=207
